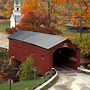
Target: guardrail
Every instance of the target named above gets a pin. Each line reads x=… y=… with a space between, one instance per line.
x=47 y=82
x=84 y=70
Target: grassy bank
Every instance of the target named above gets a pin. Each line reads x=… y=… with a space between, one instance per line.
x=25 y=85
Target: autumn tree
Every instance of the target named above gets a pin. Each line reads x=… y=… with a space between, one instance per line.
x=79 y=15
x=79 y=10
x=61 y=11
x=34 y=6
x=36 y=17
x=31 y=22
x=34 y=14
x=6 y=8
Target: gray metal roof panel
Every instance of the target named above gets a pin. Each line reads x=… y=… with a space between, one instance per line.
x=39 y=39
x=44 y=40
x=20 y=35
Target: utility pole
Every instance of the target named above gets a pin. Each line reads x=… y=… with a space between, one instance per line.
x=34 y=77
x=81 y=32
x=10 y=65
x=49 y=8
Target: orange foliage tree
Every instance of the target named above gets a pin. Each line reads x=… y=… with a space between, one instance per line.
x=41 y=12
x=80 y=16
x=57 y=13
x=36 y=6
x=36 y=17
x=62 y=2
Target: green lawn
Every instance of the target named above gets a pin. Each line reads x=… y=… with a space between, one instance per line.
x=24 y=84
x=4 y=25
x=74 y=36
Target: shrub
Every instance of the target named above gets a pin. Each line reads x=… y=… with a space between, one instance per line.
x=88 y=66
x=84 y=45
x=10 y=30
x=26 y=71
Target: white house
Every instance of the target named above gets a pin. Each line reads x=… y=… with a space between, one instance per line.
x=16 y=15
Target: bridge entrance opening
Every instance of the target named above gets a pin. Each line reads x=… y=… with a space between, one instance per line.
x=62 y=57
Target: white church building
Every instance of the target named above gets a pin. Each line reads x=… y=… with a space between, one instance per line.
x=16 y=15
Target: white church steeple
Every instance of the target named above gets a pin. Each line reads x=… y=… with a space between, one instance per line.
x=16 y=15
x=17 y=6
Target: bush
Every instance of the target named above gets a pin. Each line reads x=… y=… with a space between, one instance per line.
x=26 y=71
x=10 y=30
x=84 y=45
x=88 y=66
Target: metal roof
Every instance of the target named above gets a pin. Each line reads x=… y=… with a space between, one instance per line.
x=46 y=41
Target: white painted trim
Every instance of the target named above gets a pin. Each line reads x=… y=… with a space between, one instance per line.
x=84 y=70
x=47 y=82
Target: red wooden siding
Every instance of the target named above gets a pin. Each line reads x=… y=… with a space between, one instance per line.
x=21 y=50
x=73 y=63
x=43 y=59
x=22 y=44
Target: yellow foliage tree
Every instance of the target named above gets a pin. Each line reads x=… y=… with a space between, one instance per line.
x=36 y=6
x=83 y=13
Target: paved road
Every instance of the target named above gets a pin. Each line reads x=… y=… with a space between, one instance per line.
x=4 y=42
x=71 y=80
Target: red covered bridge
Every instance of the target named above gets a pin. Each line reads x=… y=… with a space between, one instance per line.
x=46 y=50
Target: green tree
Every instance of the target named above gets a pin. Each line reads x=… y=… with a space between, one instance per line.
x=84 y=45
x=36 y=17
x=26 y=71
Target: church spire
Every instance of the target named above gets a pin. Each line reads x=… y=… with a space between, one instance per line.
x=17 y=7
x=16 y=15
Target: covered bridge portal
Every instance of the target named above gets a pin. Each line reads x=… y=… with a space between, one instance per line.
x=46 y=50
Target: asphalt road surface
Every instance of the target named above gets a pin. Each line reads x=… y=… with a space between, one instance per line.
x=71 y=80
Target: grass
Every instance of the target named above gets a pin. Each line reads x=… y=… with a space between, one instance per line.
x=4 y=25
x=25 y=85
x=67 y=32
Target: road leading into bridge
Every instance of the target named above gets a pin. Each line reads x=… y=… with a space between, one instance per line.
x=71 y=80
